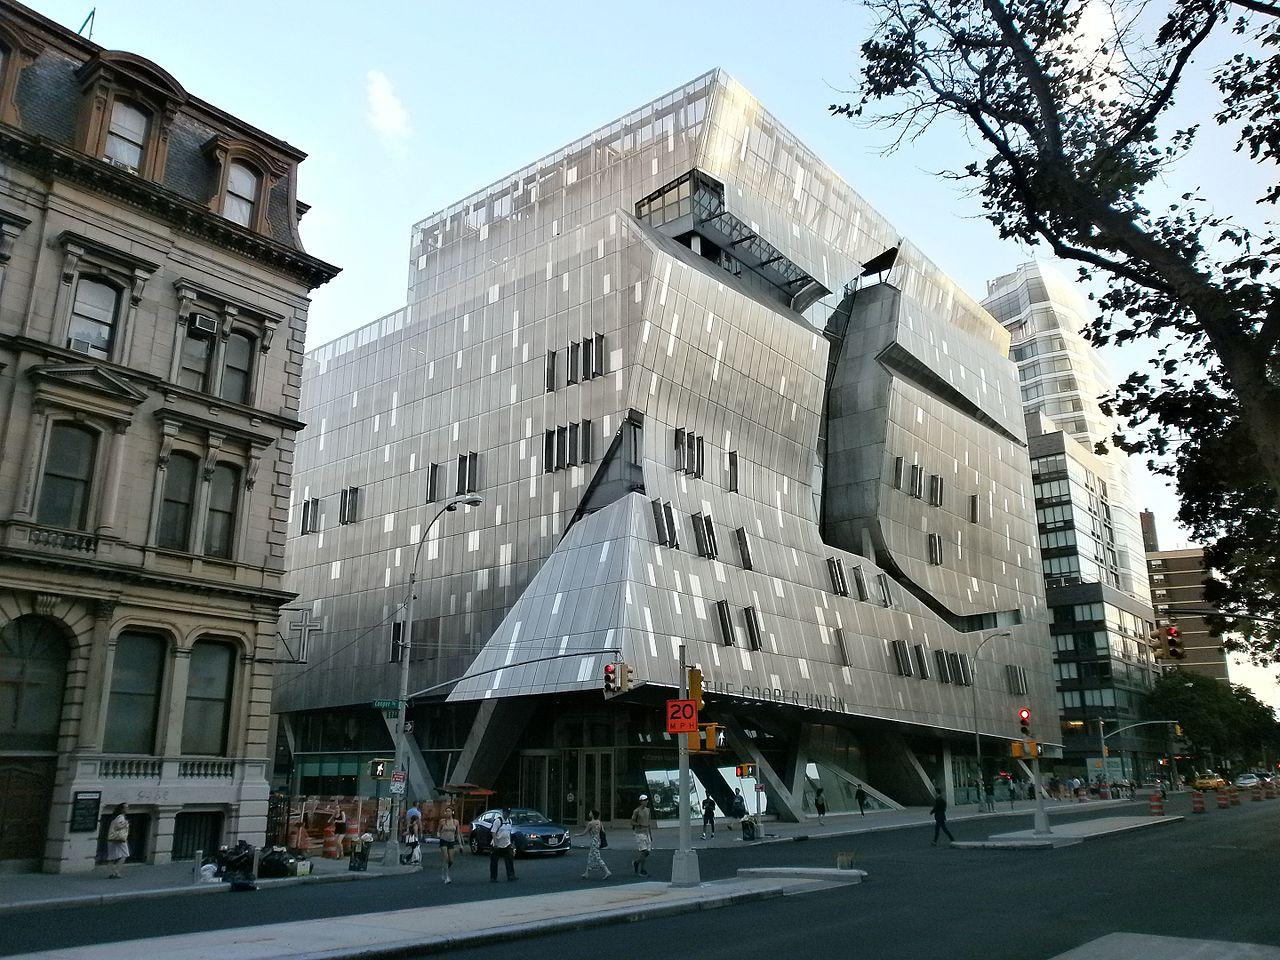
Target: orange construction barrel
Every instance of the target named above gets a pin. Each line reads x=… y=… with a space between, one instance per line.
x=1157 y=805
x=1224 y=801
x=1235 y=797
x=332 y=845
x=1197 y=801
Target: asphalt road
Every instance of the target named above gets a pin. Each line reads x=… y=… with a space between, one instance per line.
x=1209 y=877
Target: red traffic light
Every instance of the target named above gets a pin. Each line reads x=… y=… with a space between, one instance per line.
x=1024 y=715
x=608 y=669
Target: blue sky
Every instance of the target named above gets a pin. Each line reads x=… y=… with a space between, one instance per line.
x=405 y=107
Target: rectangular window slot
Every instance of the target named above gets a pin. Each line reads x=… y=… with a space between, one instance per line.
x=975 y=508
x=549 y=450
x=726 y=622
x=935 y=490
x=433 y=483
x=349 y=505
x=860 y=582
x=598 y=369
x=584 y=436
x=575 y=350
x=311 y=515
x=588 y=359
x=733 y=471
x=660 y=523
x=917 y=481
x=842 y=651
x=753 y=628
x=839 y=585
x=942 y=660
x=922 y=661
x=551 y=371
x=673 y=534
x=935 y=549
x=897 y=473
x=744 y=548
x=573 y=444
x=901 y=657
x=882 y=581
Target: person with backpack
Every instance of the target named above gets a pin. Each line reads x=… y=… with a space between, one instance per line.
x=597 y=869
x=501 y=846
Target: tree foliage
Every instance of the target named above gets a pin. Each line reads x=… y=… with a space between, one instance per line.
x=1218 y=719
x=1070 y=113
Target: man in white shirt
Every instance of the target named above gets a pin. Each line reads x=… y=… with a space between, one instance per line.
x=500 y=846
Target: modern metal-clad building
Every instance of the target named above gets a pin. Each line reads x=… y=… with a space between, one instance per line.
x=709 y=398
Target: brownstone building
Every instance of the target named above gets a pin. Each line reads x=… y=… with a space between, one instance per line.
x=153 y=302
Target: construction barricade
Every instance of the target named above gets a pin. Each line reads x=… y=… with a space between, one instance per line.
x=1157 y=805
x=1197 y=801
x=1224 y=800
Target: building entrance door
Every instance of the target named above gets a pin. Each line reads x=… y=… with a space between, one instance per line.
x=26 y=792
x=597 y=782
x=541 y=782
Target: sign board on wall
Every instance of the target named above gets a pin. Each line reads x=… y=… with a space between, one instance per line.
x=85 y=806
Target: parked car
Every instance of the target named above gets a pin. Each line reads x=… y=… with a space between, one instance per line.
x=1209 y=781
x=1247 y=780
x=531 y=833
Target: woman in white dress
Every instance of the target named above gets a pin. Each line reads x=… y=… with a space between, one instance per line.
x=597 y=869
x=118 y=840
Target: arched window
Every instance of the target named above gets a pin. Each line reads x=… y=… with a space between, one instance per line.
x=33 y=672
x=127 y=135
x=179 y=497
x=241 y=200
x=68 y=477
x=93 y=318
x=208 y=713
x=219 y=531
x=134 y=702
x=237 y=368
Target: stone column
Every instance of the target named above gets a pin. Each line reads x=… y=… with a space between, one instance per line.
x=39 y=421
x=137 y=282
x=172 y=718
x=948 y=781
x=201 y=507
x=244 y=513
x=97 y=680
x=108 y=666
x=168 y=430
x=111 y=482
x=162 y=833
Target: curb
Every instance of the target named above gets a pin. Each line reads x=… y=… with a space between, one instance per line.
x=1051 y=844
x=586 y=921
x=885 y=828
x=105 y=899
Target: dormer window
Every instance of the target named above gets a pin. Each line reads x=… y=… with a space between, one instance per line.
x=126 y=135
x=243 y=185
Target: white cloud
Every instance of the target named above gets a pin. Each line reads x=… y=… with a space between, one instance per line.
x=386 y=113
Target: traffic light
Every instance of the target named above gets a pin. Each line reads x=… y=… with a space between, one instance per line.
x=624 y=678
x=1160 y=647
x=1024 y=721
x=746 y=770
x=611 y=679
x=695 y=686
x=1173 y=643
x=380 y=769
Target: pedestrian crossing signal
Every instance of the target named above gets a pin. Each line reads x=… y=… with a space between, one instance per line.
x=746 y=771
x=380 y=769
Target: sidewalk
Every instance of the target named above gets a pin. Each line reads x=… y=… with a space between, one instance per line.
x=434 y=929
x=1065 y=834
x=26 y=891
x=849 y=824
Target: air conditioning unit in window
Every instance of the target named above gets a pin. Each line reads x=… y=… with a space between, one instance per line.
x=203 y=324
x=120 y=164
x=81 y=346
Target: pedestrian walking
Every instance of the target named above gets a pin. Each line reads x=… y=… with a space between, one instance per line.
x=450 y=835
x=939 y=811
x=500 y=846
x=412 y=840
x=118 y=840
x=642 y=828
x=820 y=804
x=597 y=869
x=861 y=796
x=708 y=817
x=989 y=789
x=739 y=804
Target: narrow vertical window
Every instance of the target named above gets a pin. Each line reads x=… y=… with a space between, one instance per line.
x=660 y=523
x=562 y=447
x=219 y=532
x=882 y=581
x=699 y=460
x=713 y=548
x=179 y=498
x=585 y=435
x=588 y=359
x=207 y=716
x=433 y=483
x=897 y=473
x=842 y=651
x=700 y=536
x=549 y=451
x=94 y=313
x=682 y=458
x=237 y=368
x=573 y=445
x=922 y=661
x=744 y=548
x=943 y=663
x=68 y=477
x=134 y=701
x=860 y=583
x=975 y=509
x=575 y=350
x=551 y=371
x=733 y=470
x=126 y=135
x=461 y=487
x=349 y=506
x=197 y=350
x=691 y=453
x=725 y=618
x=917 y=481
x=599 y=356
x=673 y=534
x=754 y=634
x=241 y=201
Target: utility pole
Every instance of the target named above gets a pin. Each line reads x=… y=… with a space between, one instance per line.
x=392 y=854
x=684 y=863
x=977 y=734
x=1042 y=816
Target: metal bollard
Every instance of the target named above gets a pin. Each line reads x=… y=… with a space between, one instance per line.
x=195 y=869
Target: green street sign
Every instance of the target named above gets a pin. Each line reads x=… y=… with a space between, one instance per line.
x=386 y=705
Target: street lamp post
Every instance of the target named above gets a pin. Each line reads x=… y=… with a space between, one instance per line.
x=406 y=642
x=977 y=734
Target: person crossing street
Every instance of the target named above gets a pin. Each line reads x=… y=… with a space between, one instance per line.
x=500 y=846
x=642 y=828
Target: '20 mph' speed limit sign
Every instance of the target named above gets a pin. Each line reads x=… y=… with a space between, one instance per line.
x=682 y=716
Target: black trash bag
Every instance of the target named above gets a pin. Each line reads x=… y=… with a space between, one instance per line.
x=276 y=862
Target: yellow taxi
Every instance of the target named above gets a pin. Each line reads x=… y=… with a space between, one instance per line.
x=1209 y=781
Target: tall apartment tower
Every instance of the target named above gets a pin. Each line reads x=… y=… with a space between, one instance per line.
x=1090 y=535
x=1063 y=377
x=711 y=400
x=153 y=303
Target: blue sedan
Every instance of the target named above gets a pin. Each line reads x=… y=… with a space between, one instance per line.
x=531 y=833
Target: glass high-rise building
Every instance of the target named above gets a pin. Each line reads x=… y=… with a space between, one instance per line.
x=711 y=399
